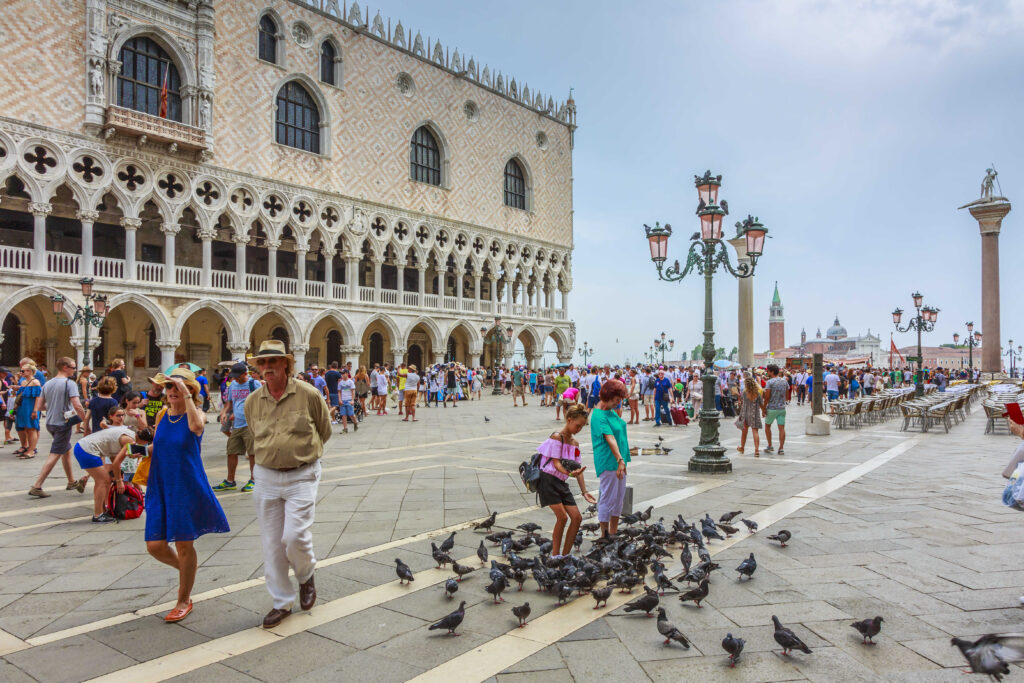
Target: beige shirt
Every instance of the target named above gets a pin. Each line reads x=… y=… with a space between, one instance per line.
x=289 y=432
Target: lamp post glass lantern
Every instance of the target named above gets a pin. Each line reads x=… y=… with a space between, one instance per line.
x=971 y=341
x=707 y=253
x=586 y=352
x=91 y=315
x=924 y=321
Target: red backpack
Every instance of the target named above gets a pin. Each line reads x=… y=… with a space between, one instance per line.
x=127 y=505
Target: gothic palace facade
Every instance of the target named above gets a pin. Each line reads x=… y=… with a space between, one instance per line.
x=312 y=174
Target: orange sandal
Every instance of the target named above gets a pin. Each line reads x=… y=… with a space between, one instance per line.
x=176 y=614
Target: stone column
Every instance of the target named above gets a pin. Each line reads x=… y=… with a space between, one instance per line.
x=493 y=279
x=422 y=271
x=398 y=355
x=745 y=307
x=40 y=210
x=476 y=355
x=131 y=227
x=376 y=280
x=87 y=218
x=78 y=344
x=990 y=220
x=167 y=348
x=440 y=283
x=170 y=230
x=300 y=269
x=400 y=273
x=238 y=349
x=438 y=357
x=565 y=303
x=458 y=287
x=51 y=356
x=206 y=280
x=272 y=246
x=329 y=273
x=534 y=360
x=350 y=353
x=240 y=242
x=476 y=292
x=299 y=353
x=352 y=274
x=129 y=356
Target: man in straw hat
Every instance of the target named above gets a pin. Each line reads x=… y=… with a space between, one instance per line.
x=290 y=423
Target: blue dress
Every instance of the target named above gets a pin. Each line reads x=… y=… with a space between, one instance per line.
x=180 y=505
x=23 y=418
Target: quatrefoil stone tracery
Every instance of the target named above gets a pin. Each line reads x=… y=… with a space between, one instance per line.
x=329 y=216
x=40 y=159
x=460 y=242
x=442 y=239
x=302 y=211
x=208 y=193
x=422 y=235
x=378 y=227
x=401 y=231
x=131 y=178
x=273 y=205
x=478 y=245
x=242 y=199
x=88 y=169
x=170 y=185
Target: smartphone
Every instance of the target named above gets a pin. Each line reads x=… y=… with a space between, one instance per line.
x=138 y=449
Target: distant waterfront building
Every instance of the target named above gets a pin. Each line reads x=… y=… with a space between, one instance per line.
x=233 y=171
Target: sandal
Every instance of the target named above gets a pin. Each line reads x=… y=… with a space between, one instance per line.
x=20 y=451
x=739 y=448
x=26 y=456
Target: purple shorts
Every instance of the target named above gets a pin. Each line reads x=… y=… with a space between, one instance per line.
x=613 y=493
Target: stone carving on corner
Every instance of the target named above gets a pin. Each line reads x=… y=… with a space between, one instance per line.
x=378 y=26
x=417 y=46
x=399 y=36
x=438 y=55
x=354 y=15
x=357 y=224
x=96 y=76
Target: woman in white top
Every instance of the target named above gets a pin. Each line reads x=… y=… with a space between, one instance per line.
x=696 y=389
x=98 y=450
x=382 y=392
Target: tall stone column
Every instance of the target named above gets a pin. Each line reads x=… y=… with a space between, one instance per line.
x=352 y=274
x=400 y=281
x=376 y=280
x=240 y=242
x=129 y=356
x=87 y=218
x=170 y=231
x=329 y=273
x=990 y=216
x=272 y=246
x=421 y=269
x=438 y=357
x=398 y=354
x=300 y=270
x=207 y=235
x=351 y=353
x=40 y=210
x=745 y=307
x=476 y=292
x=167 y=348
x=51 y=356
x=299 y=354
x=131 y=227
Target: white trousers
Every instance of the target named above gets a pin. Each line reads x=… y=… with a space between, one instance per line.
x=285 y=507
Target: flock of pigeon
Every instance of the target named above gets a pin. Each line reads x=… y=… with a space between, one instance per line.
x=626 y=560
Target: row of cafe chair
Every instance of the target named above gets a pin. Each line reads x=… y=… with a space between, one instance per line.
x=1000 y=392
x=935 y=407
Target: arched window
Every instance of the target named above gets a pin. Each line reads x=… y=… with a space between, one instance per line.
x=152 y=349
x=144 y=66
x=298 y=119
x=425 y=157
x=515 y=185
x=328 y=55
x=268 y=40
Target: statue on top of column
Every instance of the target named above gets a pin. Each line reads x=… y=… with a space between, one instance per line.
x=989 y=189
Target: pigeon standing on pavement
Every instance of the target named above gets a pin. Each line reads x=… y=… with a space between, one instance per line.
x=868 y=629
x=452 y=621
x=645 y=603
x=461 y=570
x=450 y=586
x=787 y=639
x=687 y=558
x=481 y=552
x=669 y=630
x=487 y=523
x=486 y=419
x=751 y=525
x=448 y=543
x=530 y=527
x=442 y=558
x=729 y=516
x=522 y=612
x=782 y=537
x=601 y=595
x=734 y=646
x=697 y=594
x=747 y=567
x=496 y=587
x=403 y=571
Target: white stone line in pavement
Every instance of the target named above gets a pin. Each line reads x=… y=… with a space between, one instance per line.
x=218 y=649
x=40 y=525
x=506 y=650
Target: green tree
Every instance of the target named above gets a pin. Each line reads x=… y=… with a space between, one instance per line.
x=734 y=353
x=720 y=353
x=698 y=352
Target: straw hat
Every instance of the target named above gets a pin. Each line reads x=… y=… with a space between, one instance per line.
x=186 y=376
x=272 y=348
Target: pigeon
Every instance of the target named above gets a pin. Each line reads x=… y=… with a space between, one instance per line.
x=687 y=558
x=645 y=603
x=697 y=594
x=590 y=527
x=728 y=529
x=506 y=545
x=452 y=621
x=450 y=586
x=460 y=569
x=782 y=537
x=646 y=514
x=578 y=541
x=487 y=523
x=481 y=552
x=486 y=419
x=725 y=206
x=570 y=466
x=630 y=519
x=729 y=516
x=519 y=576
x=669 y=630
x=868 y=629
x=787 y=639
x=529 y=527
x=497 y=537
x=751 y=525
x=990 y=654
x=747 y=568
x=601 y=595
x=403 y=571
x=522 y=612
x=591 y=510
x=442 y=558
x=448 y=543
x=564 y=592
x=497 y=587
x=664 y=583
x=734 y=646
x=703 y=554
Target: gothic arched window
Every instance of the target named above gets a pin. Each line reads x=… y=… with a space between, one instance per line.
x=328 y=55
x=268 y=40
x=515 y=185
x=145 y=68
x=425 y=157
x=298 y=118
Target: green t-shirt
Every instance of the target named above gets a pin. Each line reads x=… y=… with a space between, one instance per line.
x=607 y=422
x=517 y=378
x=562 y=383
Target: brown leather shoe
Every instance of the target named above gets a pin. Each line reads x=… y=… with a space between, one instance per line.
x=307 y=594
x=275 y=617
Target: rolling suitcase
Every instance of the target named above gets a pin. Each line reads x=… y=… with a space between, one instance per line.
x=679 y=416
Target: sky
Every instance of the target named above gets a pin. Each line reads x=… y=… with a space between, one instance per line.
x=852 y=129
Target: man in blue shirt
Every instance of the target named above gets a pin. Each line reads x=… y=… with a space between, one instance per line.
x=240 y=440
x=662 y=394
x=204 y=389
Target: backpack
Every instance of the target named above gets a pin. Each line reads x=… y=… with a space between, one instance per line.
x=529 y=471
x=127 y=505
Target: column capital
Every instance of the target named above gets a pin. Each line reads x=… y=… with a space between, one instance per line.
x=273 y=244
x=131 y=223
x=328 y=252
x=40 y=208
x=401 y=264
x=238 y=347
x=240 y=240
x=88 y=216
x=476 y=350
x=351 y=348
x=990 y=216
x=422 y=267
x=206 y=234
x=299 y=348
x=168 y=344
x=398 y=350
x=300 y=249
x=170 y=228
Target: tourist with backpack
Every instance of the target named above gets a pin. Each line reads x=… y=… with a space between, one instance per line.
x=180 y=507
x=552 y=487
x=239 y=437
x=101 y=453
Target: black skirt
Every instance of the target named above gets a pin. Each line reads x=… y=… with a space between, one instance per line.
x=553 y=491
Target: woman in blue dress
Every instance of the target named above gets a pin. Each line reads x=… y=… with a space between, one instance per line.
x=180 y=506
x=26 y=420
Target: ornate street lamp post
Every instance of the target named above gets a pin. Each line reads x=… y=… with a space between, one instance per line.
x=924 y=321
x=586 y=352
x=1014 y=355
x=707 y=253
x=972 y=340
x=500 y=338
x=662 y=345
x=93 y=314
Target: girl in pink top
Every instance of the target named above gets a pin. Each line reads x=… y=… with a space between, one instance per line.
x=552 y=489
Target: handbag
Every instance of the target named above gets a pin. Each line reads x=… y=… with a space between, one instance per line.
x=739 y=423
x=71 y=417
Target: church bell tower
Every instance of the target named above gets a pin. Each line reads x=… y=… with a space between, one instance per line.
x=776 y=323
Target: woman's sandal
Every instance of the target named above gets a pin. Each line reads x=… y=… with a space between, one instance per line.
x=757 y=454
x=26 y=456
x=20 y=451
x=739 y=448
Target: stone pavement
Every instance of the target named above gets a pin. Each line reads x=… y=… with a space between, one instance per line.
x=903 y=525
